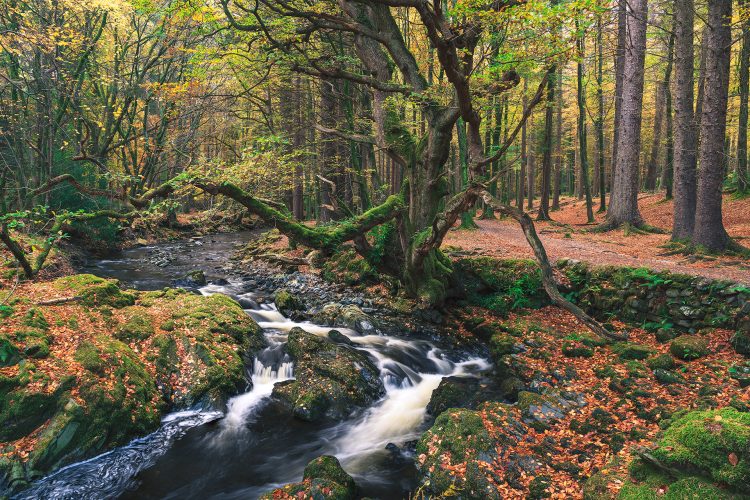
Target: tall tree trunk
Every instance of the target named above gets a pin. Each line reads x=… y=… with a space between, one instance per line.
x=650 y=182
x=744 y=90
x=530 y=167
x=622 y=28
x=600 y=118
x=558 y=144
x=582 y=133
x=524 y=156
x=623 y=206
x=709 y=229
x=549 y=119
x=684 y=188
x=668 y=176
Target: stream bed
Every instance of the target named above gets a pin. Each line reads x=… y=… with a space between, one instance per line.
x=257 y=445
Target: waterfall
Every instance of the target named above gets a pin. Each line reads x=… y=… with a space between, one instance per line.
x=263 y=378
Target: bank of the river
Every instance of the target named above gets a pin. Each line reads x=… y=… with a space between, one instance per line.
x=495 y=396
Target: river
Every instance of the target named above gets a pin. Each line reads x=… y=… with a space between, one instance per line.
x=256 y=445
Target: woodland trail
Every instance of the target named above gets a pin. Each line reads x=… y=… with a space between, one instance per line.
x=566 y=239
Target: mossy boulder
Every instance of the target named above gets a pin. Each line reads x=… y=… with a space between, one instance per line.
x=34 y=318
x=540 y=411
x=661 y=361
x=137 y=325
x=9 y=353
x=94 y=291
x=332 y=380
x=453 y=392
x=204 y=348
x=573 y=349
x=287 y=303
x=741 y=341
x=631 y=351
x=324 y=478
x=714 y=444
x=346 y=316
x=689 y=347
x=463 y=436
x=94 y=391
x=741 y=373
x=502 y=344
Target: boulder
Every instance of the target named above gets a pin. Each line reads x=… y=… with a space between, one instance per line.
x=287 y=303
x=689 y=347
x=324 y=478
x=332 y=380
x=346 y=316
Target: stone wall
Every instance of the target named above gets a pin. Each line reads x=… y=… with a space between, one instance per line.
x=657 y=300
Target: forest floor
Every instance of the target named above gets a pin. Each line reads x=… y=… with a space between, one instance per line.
x=568 y=237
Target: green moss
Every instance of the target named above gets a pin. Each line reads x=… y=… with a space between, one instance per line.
x=689 y=347
x=501 y=285
x=328 y=467
x=663 y=361
x=741 y=342
x=90 y=358
x=287 y=303
x=501 y=345
x=138 y=325
x=9 y=354
x=575 y=350
x=95 y=291
x=703 y=441
x=628 y=350
x=6 y=311
x=34 y=318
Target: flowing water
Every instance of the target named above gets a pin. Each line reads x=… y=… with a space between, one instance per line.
x=257 y=445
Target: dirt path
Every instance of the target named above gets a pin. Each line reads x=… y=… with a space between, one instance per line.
x=567 y=240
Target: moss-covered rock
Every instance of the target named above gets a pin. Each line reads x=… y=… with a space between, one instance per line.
x=331 y=381
x=713 y=444
x=138 y=325
x=94 y=291
x=287 y=303
x=94 y=391
x=540 y=411
x=631 y=351
x=453 y=392
x=9 y=354
x=469 y=438
x=34 y=318
x=689 y=347
x=324 y=478
x=662 y=361
x=741 y=373
x=741 y=341
x=346 y=316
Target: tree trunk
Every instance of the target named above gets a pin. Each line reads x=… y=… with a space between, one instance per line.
x=582 y=133
x=744 y=90
x=558 y=144
x=622 y=20
x=650 y=183
x=524 y=156
x=684 y=187
x=668 y=176
x=549 y=118
x=600 y=118
x=623 y=205
x=709 y=229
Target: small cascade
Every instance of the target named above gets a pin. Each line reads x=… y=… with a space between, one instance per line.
x=239 y=408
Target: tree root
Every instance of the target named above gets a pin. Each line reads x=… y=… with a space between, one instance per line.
x=548 y=277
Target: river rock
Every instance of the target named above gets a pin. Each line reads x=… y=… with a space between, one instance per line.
x=346 y=316
x=287 y=303
x=331 y=381
x=323 y=478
